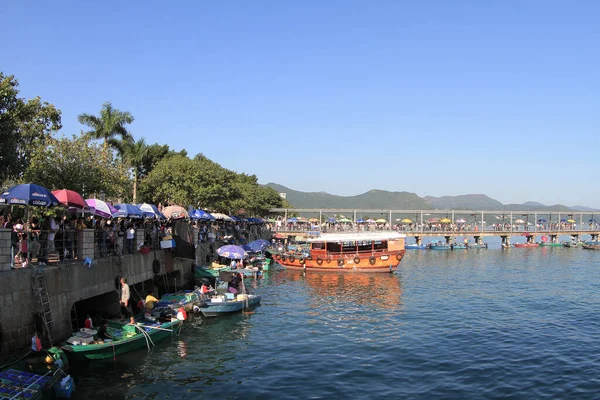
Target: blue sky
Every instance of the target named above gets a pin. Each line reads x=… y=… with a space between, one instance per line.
x=431 y=97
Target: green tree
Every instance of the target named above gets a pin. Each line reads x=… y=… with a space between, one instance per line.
x=110 y=127
x=23 y=123
x=134 y=153
x=75 y=163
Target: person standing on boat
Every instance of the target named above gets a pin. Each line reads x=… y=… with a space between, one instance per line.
x=125 y=300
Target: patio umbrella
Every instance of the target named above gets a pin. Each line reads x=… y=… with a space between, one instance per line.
x=381 y=221
x=360 y=221
x=128 y=211
x=70 y=198
x=406 y=221
x=293 y=219
x=331 y=220
x=445 y=221
x=592 y=221
x=258 y=245
x=232 y=251
x=370 y=221
x=175 y=212
x=201 y=214
x=461 y=221
x=313 y=220
x=541 y=221
x=345 y=220
x=101 y=208
x=519 y=221
x=221 y=217
x=150 y=210
x=563 y=220
x=29 y=194
x=433 y=220
x=571 y=221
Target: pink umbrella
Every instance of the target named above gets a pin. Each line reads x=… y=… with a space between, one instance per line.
x=101 y=208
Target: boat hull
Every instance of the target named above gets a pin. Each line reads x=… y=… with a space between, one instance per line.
x=115 y=348
x=526 y=245
x=415 y=247
x=383 y=262
x=591 y=247
x=214 y=309
x=546 y=244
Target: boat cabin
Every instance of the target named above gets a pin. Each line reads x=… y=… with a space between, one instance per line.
x=346 y=244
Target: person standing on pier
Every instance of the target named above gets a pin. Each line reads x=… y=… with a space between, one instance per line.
x=125 y=295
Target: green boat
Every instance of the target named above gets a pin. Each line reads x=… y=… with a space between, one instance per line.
x=127 y=338
x=548 y=244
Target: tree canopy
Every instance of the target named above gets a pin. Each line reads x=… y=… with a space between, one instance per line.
x=23 y=123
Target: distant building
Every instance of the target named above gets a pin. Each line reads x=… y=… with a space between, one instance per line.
x=283 y=195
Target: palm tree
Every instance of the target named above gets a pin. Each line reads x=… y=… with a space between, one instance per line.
x=133 y=154
x=109 y=126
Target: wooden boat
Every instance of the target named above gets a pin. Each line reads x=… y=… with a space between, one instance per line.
x=224 y=304
x=127 y=338
x=526 y=245
x=349 y=252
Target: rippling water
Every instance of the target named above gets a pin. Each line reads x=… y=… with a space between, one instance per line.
x=517 y=323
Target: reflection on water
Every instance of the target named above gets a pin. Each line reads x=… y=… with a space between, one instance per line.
x=375 y=290
x=516 y=323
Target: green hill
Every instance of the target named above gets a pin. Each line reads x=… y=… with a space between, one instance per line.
x=373 y=199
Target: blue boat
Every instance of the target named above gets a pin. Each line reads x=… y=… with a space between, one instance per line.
x=219 y=305
x=438 y=246
x=459 y=246
x=415 y=247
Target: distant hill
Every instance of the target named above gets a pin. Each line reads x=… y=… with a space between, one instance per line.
x=465 y=202
x=373 y=199
x=382 y=199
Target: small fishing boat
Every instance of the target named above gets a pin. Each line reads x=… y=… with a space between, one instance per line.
x=438 y=246
x=227 y=303
x=526 y=245
x=550 y=244
x=477 y=246
x=83 y=345
x=591 y=246
x=458 y=246
x=415 y=246
x=182 y=298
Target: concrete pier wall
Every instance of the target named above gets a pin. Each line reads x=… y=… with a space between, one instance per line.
x=70 y=282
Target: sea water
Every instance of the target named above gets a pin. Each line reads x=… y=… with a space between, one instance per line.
x=513 y=323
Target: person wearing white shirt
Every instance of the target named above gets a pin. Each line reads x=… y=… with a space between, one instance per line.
x=130 y=236
x=52 y=234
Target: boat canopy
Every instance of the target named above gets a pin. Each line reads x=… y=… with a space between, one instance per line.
x=357 y=236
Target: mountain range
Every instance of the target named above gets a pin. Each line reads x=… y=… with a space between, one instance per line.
x=386 y=200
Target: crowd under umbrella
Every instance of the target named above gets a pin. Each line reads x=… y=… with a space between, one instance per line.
x=232 y=251
x=128 y=211
x=150 y=211
x=175 y=212
x=100 y=208
x=28 y=194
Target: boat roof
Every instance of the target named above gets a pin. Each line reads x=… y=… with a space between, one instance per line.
x=357 y=236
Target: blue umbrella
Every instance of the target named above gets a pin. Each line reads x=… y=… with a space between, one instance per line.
x=592 y=221
x=258 y=245
x=563 y=220
x=541 y=221
x=201 y=214
x=29 y=194
x=360 y=221
x=128 y=211
x=232 y=251
x=331 y=220
x=150 y=210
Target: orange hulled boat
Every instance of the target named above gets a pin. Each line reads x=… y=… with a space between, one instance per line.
x=352 y=252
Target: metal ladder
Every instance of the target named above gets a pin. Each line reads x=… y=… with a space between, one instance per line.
x=40 y=292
